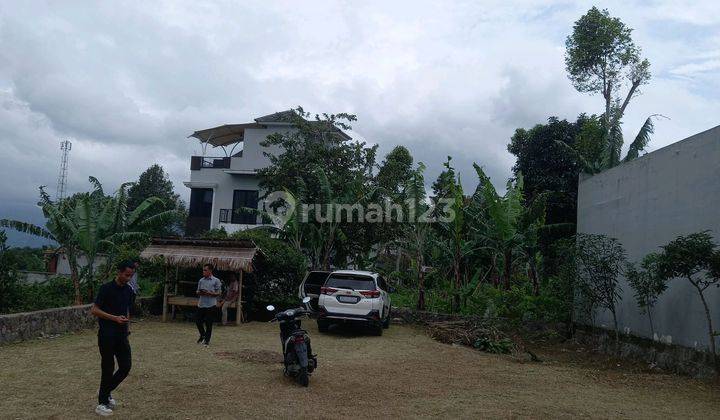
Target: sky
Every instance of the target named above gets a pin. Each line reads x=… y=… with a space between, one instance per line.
x=127 y=82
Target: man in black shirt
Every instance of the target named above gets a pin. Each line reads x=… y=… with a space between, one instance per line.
x=112 y=306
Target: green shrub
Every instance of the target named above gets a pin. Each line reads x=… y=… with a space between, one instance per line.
x=278 y=270
x=517 y=304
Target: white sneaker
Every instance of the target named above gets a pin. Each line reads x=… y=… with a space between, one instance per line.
x=103 y=410
x=111 y=403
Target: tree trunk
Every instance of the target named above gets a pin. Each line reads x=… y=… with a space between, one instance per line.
x=617 y=333
x=532 y=274
x=458 y=279
x=652 y=329
x=711 y=334
x=74 y=275
x=91 y=279
x=508 y=269
x=421 y=286
x=397 y=260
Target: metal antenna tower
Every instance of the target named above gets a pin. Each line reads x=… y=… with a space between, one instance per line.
x=65 y=147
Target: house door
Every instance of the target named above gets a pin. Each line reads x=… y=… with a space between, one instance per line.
x=200 y=211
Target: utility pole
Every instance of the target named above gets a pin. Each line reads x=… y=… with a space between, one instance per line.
x=65 y=147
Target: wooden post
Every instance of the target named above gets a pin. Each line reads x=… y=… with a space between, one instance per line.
x=176 y=290
x=165 y=296
x=238 y=317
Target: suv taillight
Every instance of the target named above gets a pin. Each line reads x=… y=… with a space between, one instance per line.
x=370 y=293
x=327 y=290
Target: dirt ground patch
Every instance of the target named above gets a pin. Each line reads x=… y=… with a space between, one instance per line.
x=403 y=373
x=254 y=356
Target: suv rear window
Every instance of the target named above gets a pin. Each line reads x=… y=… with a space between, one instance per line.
x=350 y=281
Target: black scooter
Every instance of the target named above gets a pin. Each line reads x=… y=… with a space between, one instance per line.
x=297 y=354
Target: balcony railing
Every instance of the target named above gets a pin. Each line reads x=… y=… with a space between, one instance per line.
x=225 y=215
x=200 y=162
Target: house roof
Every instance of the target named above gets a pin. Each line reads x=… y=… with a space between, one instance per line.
x=223 y=254
x=226 y=134
x=281 y=117
x=223 y=135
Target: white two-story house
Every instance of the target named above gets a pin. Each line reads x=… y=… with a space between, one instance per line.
x=225 y=178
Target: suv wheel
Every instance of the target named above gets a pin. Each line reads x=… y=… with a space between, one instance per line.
x=323 y=326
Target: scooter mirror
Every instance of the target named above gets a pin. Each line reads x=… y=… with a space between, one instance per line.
x=270 y=308
x=306 y=299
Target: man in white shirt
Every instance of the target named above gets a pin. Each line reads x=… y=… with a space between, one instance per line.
x=208 y=290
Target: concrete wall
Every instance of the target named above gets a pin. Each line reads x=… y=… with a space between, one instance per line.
x=647 y=203
x=28 y=325
x=253 y=157
x=63 y=265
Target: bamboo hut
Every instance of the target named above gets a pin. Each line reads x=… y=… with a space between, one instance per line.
x=224 y=254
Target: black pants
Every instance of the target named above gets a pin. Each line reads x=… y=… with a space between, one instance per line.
x=111 y=348
x=204 y=322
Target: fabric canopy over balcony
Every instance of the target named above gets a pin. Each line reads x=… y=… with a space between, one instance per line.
x=223 y=254
x=224 y=134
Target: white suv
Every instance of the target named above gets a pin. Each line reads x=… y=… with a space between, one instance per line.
x=350 y=296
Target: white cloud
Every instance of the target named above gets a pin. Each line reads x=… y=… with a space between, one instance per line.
x=127 y=82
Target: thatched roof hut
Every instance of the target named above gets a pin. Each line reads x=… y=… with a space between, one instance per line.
x=224 y=254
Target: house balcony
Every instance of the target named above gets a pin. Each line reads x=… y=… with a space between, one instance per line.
x=204 y=162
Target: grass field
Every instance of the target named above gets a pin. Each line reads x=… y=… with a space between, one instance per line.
x=401 y=374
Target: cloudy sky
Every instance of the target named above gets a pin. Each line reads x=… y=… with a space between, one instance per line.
x=127 y=82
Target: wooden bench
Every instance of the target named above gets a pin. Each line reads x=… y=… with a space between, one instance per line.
x=190 y=301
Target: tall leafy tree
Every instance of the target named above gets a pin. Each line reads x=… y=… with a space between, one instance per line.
x=551 y=172
x=395 y=171
x=320 y=164
x=601 y=57
x=394 y=181
x=155 y=182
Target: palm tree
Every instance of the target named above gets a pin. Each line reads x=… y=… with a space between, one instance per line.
x=90 y=223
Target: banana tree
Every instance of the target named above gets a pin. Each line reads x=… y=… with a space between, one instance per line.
x=413 y=239
x=90 y=223
x=455 y=237
x=502 y=233
x=612 y=142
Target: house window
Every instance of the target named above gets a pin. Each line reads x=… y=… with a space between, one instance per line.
x=241 y=199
